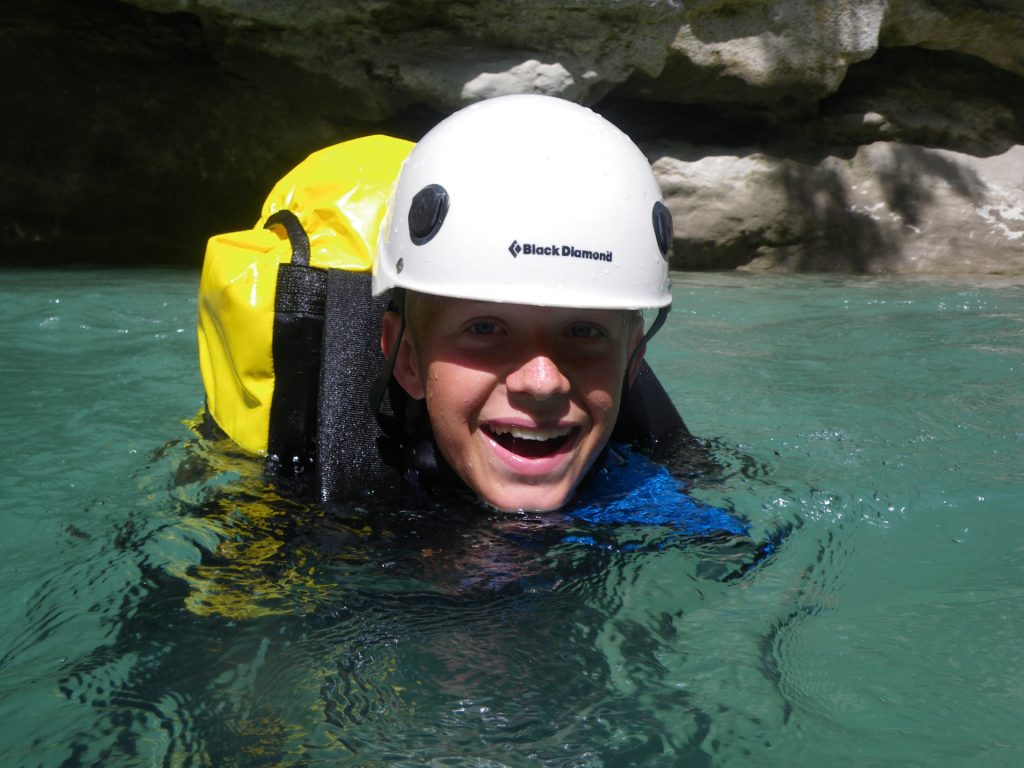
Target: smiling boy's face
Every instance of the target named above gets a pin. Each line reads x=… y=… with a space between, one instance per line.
x=522 y=399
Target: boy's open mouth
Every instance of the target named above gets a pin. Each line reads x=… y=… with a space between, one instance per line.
x=531 y=443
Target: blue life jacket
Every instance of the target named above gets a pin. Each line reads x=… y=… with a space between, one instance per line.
x=630 y=489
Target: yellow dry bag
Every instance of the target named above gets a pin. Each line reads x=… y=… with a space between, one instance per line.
x=283 y=305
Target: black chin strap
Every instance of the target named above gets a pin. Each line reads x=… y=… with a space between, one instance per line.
x=663 y=313
x=379 y=388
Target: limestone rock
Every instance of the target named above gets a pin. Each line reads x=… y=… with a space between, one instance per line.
x=991 y=31
x=891 y=208
x=386 y=54
x=759 y=52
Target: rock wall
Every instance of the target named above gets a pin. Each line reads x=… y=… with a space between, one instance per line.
x=865 y=136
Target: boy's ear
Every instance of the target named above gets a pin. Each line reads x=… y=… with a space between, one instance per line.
x=407 y=369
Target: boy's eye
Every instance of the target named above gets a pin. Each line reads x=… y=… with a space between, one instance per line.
x=585 y=331
x=483 y=327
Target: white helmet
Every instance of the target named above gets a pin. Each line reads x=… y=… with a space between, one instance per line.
x=529 y=200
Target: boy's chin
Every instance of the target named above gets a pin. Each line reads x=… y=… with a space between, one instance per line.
x=526 y=498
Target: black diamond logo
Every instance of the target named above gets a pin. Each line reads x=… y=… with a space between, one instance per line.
x=515 y=249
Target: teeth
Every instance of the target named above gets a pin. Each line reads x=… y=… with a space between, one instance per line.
x=525 y=433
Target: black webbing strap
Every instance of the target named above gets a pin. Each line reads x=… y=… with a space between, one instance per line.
x=350 y=462
x=298 y=329
x=296 y=234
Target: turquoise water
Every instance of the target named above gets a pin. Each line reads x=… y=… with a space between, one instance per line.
x=163 y=608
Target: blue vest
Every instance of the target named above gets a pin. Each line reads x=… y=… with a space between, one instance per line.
x=630 y=489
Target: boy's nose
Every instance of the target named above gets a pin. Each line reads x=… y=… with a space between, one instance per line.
x=539 y=377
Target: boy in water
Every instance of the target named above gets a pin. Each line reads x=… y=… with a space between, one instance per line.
x=524 y=236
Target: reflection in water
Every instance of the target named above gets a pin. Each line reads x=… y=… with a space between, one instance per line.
x=265 y=631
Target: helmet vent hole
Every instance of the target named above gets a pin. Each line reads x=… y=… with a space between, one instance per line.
x=662 y=227
x=427 y=212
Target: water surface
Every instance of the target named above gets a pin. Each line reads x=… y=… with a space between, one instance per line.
x=163 y=607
